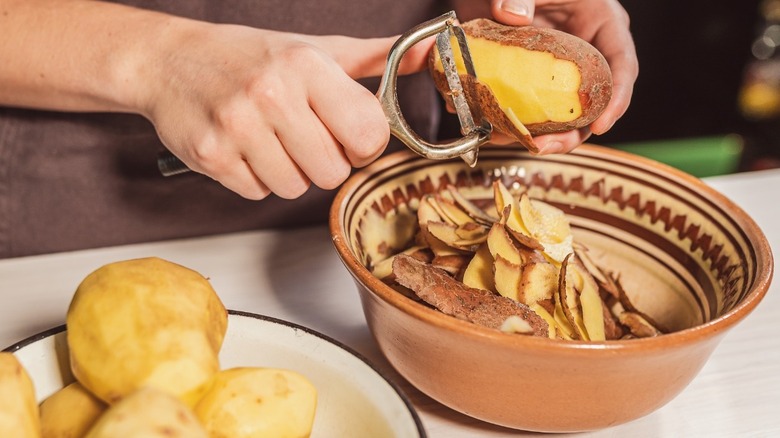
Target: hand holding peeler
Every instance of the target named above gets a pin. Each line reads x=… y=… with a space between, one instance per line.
x=444 y=27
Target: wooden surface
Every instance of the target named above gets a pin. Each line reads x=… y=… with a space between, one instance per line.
x=296 y=275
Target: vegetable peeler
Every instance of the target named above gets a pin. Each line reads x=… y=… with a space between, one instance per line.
x=466 y=147
x=444 y=28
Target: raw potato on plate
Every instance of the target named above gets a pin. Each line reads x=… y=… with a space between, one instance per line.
x=145 y=322
x=148 y=413
x=18 y=409
x=144 y=337
x=70 y=412
x=253 y=402
x=530 y=80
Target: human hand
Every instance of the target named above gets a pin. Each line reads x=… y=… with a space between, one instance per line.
x=270 y=112
x=603 y=23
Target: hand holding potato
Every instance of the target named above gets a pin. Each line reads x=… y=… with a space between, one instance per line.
x=530 y=80
x=602 y=23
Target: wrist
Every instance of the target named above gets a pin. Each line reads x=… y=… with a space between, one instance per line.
x=142 y=74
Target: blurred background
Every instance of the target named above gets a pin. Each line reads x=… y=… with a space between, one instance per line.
x=707 y=99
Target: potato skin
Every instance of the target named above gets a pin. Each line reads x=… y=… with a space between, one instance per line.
x=485 y=106
x=595 y=89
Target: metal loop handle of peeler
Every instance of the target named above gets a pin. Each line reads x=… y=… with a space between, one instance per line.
x=465 y=147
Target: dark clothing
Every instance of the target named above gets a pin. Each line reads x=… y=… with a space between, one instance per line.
x=80 y=180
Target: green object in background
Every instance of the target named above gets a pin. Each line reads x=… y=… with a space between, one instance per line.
x=699 y=156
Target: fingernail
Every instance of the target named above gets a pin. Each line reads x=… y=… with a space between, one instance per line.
x=551 y=147
x=586 y=134
x=515 y=7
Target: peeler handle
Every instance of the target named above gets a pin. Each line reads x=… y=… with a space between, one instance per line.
x=465 y=147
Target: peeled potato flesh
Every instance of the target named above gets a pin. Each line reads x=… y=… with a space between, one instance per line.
x=148 y=413
x=18 y=408
x=145 y=322
x=256 y=402
x=70 y=412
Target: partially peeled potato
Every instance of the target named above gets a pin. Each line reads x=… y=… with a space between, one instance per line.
x=530 y=80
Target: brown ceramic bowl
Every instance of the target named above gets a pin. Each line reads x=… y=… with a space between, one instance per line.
x=687 y=256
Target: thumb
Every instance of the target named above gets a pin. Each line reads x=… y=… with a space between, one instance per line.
x=513 y=12
x=362 y=58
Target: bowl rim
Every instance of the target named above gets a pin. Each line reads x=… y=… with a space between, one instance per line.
x=395 y=387
x=680 y=338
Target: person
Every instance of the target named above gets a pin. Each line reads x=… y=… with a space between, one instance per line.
x=273 y=99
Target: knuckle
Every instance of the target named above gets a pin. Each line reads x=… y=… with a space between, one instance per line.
x=269 y=87
x=268 y=90
x=228 y=117
x=209 y=156
x=303 y=54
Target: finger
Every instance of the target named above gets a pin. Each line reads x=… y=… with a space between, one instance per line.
x=367 y=57
x=351 y=113
x=613 y=39
x=625 y=70
x=214 y=157
x=513 y=12
x=246 y=155
x=305 y=139
x=501 y=139
x=273 y=167
x=242 y=180
x=561 y=143
x=416 y=58
x=315 y=150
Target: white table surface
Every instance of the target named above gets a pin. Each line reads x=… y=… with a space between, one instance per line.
x=297 y=276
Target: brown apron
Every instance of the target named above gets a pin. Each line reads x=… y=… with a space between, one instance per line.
x=81 y=180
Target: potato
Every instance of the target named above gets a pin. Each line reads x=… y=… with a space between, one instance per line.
x=18 y=408
x=148 y=413
x=145 y=322
x=70 y=412
x=530 y=80
x=256 y=402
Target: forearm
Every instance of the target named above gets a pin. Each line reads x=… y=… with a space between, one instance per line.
x=77 y=55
